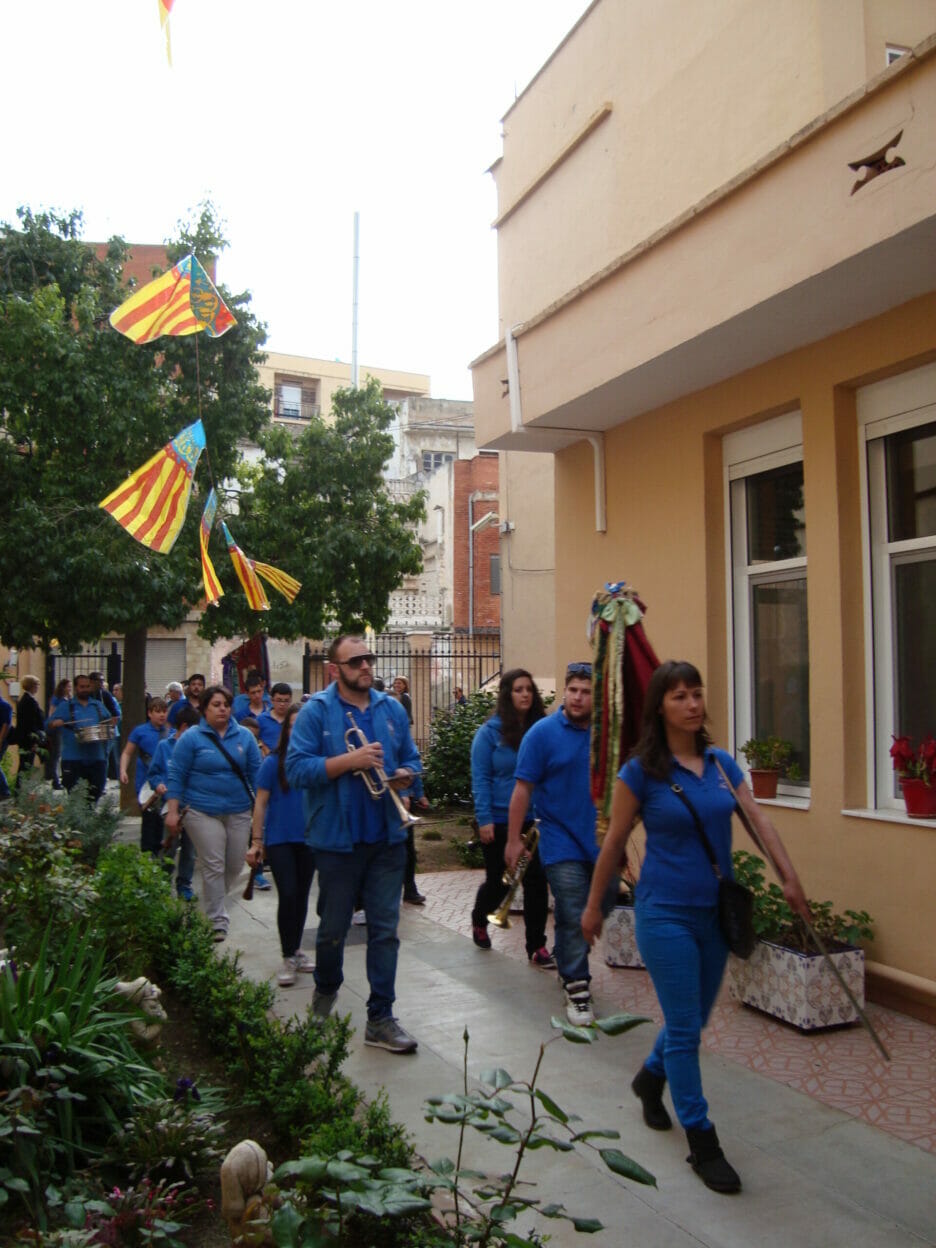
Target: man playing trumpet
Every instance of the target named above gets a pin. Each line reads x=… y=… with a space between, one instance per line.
x=349 y=747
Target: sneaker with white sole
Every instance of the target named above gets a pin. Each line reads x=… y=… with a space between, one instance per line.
x=359 y=919
x=262 y=883
x=386 y=1033
x=578 y=1002
x=542 y=959
x=303 y=962
x=286 y=975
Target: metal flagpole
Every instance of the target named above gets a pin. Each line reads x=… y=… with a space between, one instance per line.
x=816 y=939
x=354 y=301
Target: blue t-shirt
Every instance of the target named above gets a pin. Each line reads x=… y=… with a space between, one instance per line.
x=285 y=818
x=6 y=717
x=270 y=729
x=158 y=771
x=176 y=707
x=367 y=821
x=241 y=706
x=676 y=868
x=146 y=738
x=554 y=756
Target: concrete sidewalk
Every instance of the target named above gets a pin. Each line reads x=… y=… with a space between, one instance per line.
x=813 y=1177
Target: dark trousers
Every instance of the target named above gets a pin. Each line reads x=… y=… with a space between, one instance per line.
x=493 y=890
x=27 y=760
x=53 y=758
x=293 y=866
x=409 y=875
x=94 y=773
x=151 y=830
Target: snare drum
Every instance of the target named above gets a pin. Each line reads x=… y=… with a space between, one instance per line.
x=91 y=733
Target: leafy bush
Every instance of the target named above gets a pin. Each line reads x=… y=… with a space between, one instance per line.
x=776 y=922
x=66 y=1059
x=470 y=853
x=447 y=767
x=90 y=828
x=134 y=911
x=172 y=1139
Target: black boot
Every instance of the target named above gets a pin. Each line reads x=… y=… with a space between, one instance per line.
x=648 y=1088
x=709 y=1162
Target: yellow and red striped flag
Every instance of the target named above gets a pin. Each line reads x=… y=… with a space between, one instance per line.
x=256 y=596
x=182 y=301
x=287 y=585
x=213 y=590
x=165 y=8
x=152 y=502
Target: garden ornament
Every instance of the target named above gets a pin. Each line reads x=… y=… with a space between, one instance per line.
x=142 y=993
x=245 y=1172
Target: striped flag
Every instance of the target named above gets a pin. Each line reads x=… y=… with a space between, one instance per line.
x=256 y=596
x=213 y=590
x=287 y=585
x=165 y=8
x=152 y=502
x=181 y=301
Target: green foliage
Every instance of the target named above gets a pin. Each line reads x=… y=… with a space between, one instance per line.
x=135 y=912
x=768 y=753
x=447 y=766
x=470 y=854
x=45 y=884
x=66 y=1059
x=146 y=1213
x=81 y=407
x=776 y=922
x=317 y=507
x=173 y=1140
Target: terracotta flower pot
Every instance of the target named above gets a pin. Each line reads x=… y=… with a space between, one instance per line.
x=764 y=783
x=920 y=797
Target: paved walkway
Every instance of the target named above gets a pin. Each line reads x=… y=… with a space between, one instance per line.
x=815 y=1174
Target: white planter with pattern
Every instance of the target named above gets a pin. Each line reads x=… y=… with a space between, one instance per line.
x=798 y=988
x=619 y=942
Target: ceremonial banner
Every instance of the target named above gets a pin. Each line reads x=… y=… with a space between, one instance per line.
x=256 y=596
x=152 y=502
x=181 y=301
x=287 y=585
x=165 y=8
x=213 y=590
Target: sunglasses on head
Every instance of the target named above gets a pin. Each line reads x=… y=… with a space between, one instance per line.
x=579 y=669
x=358 y=659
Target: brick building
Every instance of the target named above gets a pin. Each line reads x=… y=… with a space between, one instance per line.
x=476 y=545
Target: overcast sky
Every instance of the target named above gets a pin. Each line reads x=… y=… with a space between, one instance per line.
x=290 y=115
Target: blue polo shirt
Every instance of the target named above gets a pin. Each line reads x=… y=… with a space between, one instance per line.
x=176 y=707
x=676 y=868
x=146 y=738
x=285 y=817
x=270 y=729
x=6 y=717
x=554 y=756
x=241 y=706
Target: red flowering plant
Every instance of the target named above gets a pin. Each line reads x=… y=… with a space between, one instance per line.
x=919 y=764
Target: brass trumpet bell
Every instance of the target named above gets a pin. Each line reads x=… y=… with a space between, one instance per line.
x=513 y=879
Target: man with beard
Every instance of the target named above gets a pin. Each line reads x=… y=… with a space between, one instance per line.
x=195 y=687
x=554 y=760
x=359 y=842
x=82 y=760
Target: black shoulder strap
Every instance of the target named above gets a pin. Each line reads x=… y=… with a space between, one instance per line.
x=216 y=740
x=681 y=794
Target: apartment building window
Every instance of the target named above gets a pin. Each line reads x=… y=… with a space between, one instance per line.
x=895 y=51
x=295 y=400
x=431 y=460
x=769 y=632
x=898 y=424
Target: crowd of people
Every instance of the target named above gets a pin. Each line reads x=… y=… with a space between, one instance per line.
x=326 y=787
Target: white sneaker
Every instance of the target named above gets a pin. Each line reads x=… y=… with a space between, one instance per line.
x=578 y=1002
x=359 y=919
x=303 y=962
x=286 y=975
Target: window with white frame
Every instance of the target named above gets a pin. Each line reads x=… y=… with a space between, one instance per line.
x=897 y=420
x=769 y=634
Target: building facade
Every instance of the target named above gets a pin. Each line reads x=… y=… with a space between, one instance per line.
x=733 y=370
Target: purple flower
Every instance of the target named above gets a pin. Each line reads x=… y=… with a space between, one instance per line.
x=184 y=1088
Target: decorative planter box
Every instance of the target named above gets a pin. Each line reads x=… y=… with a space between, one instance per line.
x=798 y=987
x=620 y=945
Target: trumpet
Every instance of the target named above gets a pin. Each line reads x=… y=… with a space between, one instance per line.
x=513 y=879
x=375 y=779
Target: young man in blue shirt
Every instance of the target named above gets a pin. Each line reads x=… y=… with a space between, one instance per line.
x=255 y=701
x=158 y=777
x=143 y=742
x=359 y=842
x=81 y=760
x=554 y=760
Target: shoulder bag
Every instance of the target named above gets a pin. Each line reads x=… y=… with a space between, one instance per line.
x=735 y=902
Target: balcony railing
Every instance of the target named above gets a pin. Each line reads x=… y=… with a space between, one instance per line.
x=284 y=409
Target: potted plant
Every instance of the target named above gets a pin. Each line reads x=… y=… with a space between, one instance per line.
x=916 y=769
x=785 y=976
x=767 y=757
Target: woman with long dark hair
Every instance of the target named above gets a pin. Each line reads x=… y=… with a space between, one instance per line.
x=493 y=763
x=278 y=834
x=674 y=771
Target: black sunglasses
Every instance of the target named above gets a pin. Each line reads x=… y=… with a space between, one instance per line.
x=579 y=669
x=355 y=663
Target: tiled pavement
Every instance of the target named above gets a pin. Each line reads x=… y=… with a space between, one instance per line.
x=839 y=1067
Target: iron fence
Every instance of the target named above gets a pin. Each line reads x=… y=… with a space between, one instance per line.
x=66 y=666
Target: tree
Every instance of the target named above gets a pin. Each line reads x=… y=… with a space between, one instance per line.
x=81 y=408
x=317 y=507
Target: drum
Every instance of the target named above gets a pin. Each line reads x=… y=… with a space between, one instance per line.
x=91 y=733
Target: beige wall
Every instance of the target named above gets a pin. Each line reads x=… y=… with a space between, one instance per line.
x=527 y=565
x=331 y=375
x=666 y=535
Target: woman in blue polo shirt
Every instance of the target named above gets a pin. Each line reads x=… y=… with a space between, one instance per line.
x=676 y=899
x=278 y=834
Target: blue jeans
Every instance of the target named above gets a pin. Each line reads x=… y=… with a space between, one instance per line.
x=186 y=867
x=685 y=953
x=375 y=874
x=570 y=882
